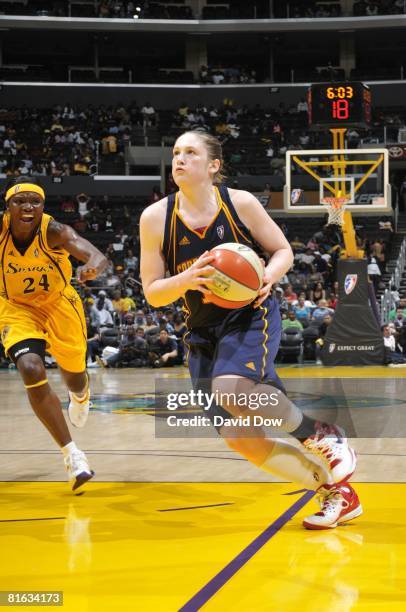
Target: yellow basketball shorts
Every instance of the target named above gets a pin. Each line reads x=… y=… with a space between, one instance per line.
x=61 y=323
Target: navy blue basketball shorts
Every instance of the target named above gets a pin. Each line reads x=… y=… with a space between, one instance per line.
x=244 y=344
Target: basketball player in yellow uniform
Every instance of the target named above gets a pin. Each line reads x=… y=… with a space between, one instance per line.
x=234 y=350
x=40 y=310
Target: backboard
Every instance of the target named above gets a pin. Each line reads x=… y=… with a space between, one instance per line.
x=360 y=177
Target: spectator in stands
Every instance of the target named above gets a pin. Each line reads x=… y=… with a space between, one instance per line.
x=100 y=317
x=133 y=350
x=164 y=324
x=179 y=325
x=401 y=307
x=279 y=296
x=389 y=338
x=300 y=275
x=302 y=106
x=121 y=236
x=307 y=257
x=80 y=225
x=67 y=205
x=131 y=261
x=107 y=301
x=321 y=311
x=302 y=311
x=150 y=326
x=371 y=9
x=289 y=294
x=374 y=273
x=112 y=280
x=399 y=320
x=83 y=200
x=139 y=319
x=109 y=144
x=332 y=301
x=93 y=342
x=81 y=166
x=317 y=293
x=378 y=251
x=108 y=226
x=326 y=321
x=320 y=265
x=291 y=321
x=164 y=351
x=155 y=195
x=148 y=115
x=297 y=244
x=122 y=303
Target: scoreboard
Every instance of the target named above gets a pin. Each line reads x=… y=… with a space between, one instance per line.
x=339 y=105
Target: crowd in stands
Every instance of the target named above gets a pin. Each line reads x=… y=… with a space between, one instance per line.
x=124 y=331
x=63 y=140
x=146 y=9
x=218 y=75
x=70 y=140
x=297 y=10
x=372 y=8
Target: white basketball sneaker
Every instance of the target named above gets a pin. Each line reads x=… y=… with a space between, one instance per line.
x=78 y=410
x=78 y=469
x=331 y=446
x=339 y=504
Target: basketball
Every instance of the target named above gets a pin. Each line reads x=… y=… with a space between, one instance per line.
x=238 y=276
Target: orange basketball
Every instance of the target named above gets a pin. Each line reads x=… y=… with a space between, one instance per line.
x=238 y=276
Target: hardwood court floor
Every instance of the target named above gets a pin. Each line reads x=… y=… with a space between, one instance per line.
x=172 y=524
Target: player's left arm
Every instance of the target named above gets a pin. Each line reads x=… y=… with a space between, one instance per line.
x=64 y=237
x=268 y=235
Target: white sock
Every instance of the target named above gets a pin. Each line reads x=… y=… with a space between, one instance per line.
x=288 y=462
x=69 y=449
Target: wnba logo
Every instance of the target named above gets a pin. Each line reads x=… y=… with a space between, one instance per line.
x=350 y=283
x=220 y=231
x=296 y=195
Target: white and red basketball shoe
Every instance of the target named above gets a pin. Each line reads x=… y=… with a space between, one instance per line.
x=330 y=444
x=339 y=504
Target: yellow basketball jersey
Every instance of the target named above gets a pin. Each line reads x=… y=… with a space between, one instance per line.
x=37 y=276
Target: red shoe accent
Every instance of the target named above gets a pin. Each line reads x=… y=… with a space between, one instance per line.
x=339 y=504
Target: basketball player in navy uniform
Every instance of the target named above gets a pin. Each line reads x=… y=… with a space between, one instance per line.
x=235 y=349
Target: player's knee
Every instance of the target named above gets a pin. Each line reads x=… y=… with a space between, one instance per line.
x=32 y=368
x=254 y=450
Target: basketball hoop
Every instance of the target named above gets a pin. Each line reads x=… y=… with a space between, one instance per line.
x=335 y=208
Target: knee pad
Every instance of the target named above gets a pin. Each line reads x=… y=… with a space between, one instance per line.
x=24 y=347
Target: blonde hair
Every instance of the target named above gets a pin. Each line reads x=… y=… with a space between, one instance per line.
x=214 y=151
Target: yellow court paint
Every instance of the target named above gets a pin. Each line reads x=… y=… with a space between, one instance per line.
x=340 y=372
x=114 y=550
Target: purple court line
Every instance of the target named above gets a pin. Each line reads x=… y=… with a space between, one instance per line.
x=218 y=581
x=196 y=507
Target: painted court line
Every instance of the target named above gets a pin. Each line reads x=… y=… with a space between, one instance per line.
x=218 y=581
x=49 y=518
x=195 y=507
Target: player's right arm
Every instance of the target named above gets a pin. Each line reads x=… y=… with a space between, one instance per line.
x=158 y=290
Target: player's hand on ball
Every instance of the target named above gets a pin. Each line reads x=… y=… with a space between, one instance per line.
x=83 y=273
x=198 y=275
x=265 y=290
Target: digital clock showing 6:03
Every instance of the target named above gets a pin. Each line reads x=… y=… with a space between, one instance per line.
x=339 y=104
x=340 y=96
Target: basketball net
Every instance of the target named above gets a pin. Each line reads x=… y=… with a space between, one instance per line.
x=335 y=208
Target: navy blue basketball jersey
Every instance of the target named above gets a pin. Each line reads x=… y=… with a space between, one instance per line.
x=183 y=245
